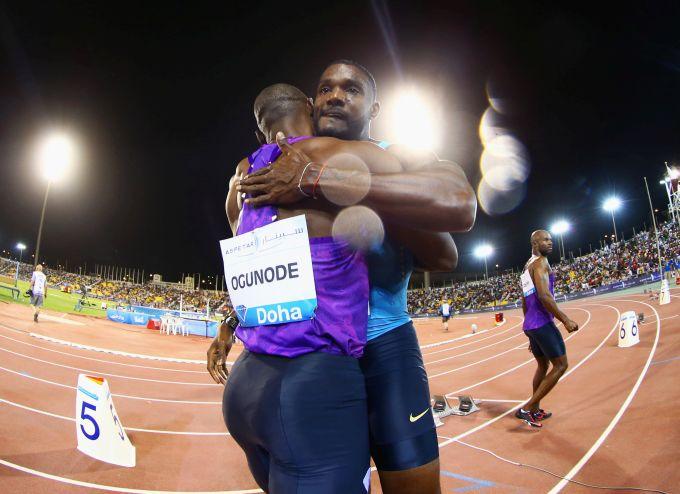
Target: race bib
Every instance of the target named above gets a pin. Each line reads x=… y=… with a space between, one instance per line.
x=269 y=274
x=527 y=284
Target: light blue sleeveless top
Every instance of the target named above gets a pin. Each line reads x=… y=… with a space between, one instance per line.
x=389 y=271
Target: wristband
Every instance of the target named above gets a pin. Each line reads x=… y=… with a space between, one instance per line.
x=231 y=321
x=316 y=182
x=300 y=181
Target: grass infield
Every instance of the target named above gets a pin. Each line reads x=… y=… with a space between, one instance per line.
x=56 y=300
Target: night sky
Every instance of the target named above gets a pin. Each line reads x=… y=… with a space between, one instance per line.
x=160 y=99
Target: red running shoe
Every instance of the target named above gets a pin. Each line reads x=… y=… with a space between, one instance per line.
x=528 y=417
x=541 y=414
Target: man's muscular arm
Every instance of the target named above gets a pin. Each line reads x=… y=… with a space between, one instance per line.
x=541 y=278
x=433 y=251
x=434 y=197
x=232 y=204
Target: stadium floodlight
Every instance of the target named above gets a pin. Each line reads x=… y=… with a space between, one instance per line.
x=483 y=252
x=560 y=227
x=413 y=121
x=612 y=204
x=21 y=248
x=56 y=154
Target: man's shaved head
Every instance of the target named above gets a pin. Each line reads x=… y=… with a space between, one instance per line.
x=277 y=102
x=537 y=234
x=541 y=242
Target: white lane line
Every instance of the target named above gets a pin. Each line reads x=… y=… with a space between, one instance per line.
x=662 y=319
x=477 y=362
x=142 y=398
x=134 y=429
x=116 y=352
x=624 y=406
x=473 y=351
x=478 y=333
x=61 y=320
x=518 y=347
x=89 y=371
x=512 y=409
x=526 y=362
x=467 y=336
x=112 y=488
x=493 y=400
x=473 y=342
x=103 y=360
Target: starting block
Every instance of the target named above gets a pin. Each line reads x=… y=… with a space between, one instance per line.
x=99 y=431
x=665 y=293
x=629 y=333
x=441 y=407
x=437 y=421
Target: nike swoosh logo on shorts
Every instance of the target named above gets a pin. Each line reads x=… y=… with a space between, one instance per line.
x=417 y=417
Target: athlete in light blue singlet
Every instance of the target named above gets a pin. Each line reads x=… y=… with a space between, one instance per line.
x=418 y=206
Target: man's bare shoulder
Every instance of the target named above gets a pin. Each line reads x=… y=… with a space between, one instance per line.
x=540 y=264
x=242 y=168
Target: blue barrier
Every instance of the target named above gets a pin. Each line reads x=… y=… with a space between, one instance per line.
x=140 y=316
x=128 y=317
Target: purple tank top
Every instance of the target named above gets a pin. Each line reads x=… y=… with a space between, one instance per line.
x=536 y=315
x=341 y=277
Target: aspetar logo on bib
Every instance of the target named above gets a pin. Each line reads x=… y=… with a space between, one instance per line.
x=269 y=273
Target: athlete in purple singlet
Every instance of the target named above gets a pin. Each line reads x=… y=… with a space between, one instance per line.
x=545 y=340
x=295 y=400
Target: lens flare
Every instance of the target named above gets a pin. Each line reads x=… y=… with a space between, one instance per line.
x=491 y=126
x=414 y=120
x=504 y=163
x=495 y=202
x=354 y=174
x=359 y=226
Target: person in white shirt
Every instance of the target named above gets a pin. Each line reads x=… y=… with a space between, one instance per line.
x=38 y=289
x=445 y=311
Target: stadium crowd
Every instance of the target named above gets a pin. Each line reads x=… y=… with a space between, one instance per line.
x=120 y=292
x=619 y=261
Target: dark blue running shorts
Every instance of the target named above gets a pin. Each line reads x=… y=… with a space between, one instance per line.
x=546 y=341
x=401 y=426
x=302 y=422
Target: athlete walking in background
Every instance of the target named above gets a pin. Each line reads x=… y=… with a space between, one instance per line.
x=445 y=311
x=545 y=340
x=38 y=290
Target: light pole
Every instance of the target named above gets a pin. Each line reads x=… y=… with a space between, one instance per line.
x=560 y=227
x=483 y=252
x=611 y=205
x=56 y=154
x=21 y=248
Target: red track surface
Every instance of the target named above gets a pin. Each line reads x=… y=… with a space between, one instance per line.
x=173 y=415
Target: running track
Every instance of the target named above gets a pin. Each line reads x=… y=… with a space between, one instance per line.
x=616 y=421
